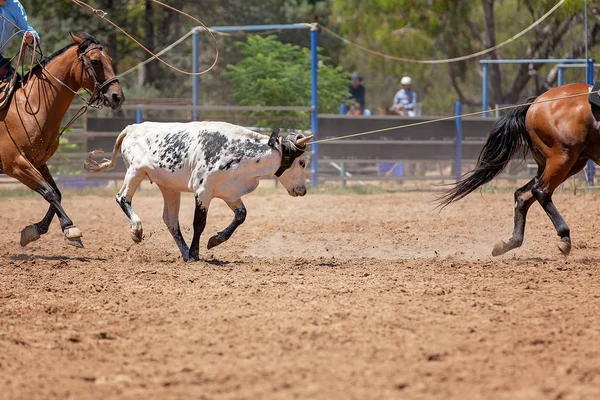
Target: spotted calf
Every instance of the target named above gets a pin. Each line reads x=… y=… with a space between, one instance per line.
x=210 y=159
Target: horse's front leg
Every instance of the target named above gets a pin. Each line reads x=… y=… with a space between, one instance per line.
x=22 y=170
x=33 y=232
x=239 y=211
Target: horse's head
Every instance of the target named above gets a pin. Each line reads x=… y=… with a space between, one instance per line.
x=292 y=173
x=97 y=74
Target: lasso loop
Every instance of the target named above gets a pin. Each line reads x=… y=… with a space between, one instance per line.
x=447 y=60
x=101 y=14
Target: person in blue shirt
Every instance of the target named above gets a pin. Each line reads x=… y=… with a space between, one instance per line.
x=405 y=99
x=13 y=18
x=357 y=91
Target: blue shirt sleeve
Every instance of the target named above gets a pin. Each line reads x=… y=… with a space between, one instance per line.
x=21 y=19
x=413 y=102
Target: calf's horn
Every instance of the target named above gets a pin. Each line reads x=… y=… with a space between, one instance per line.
x=302 y=142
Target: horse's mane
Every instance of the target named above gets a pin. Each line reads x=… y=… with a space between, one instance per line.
x=87 y=40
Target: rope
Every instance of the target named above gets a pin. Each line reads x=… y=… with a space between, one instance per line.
x=102 y=15
x=160 y=53
x=448 y=118
x=181 y=39
x=448 y=60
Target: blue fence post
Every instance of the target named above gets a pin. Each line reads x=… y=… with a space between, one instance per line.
x=315 y=105
x=139 y=116
x=561 y=76
x=195 y=70
x=484 y=94
x=591 y=167
x=458 y=163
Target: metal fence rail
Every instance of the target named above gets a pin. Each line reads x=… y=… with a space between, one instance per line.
x=435 y=152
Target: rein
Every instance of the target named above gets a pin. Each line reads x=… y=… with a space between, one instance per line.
x=95 y=100
x=288 y=149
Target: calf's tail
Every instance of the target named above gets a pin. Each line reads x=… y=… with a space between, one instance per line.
x=105 y=164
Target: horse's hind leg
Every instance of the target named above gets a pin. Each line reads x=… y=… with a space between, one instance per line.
x=33 y=232
x=133 y=178
x=523 y=200
x=27 y=174
x=556 y=172
x=239 y=211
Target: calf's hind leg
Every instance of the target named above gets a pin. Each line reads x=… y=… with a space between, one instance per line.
x=239 y=211
x=202 y=203
x=133 y=178
x=172 y=201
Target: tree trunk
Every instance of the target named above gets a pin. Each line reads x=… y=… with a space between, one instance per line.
x=151 y=68
x=489 y=40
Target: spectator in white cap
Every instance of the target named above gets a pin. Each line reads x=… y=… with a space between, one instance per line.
x=405 y=99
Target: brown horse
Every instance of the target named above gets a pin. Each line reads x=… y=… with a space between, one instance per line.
x=30 y=125
x=562 y=135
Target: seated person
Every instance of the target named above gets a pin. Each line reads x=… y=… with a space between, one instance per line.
x=357 y=91
x=405 y=99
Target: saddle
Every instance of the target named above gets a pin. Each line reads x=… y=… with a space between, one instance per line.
x=7 y=87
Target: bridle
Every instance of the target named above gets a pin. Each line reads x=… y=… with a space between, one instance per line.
x=288 y=149
x=95 y=99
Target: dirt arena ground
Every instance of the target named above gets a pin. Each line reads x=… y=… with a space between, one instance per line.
x=322 y=297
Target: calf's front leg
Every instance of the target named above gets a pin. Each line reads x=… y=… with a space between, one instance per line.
x=133 y=179
x=239 y=211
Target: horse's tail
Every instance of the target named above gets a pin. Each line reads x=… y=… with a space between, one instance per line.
x=508 y=136
x=105 y=164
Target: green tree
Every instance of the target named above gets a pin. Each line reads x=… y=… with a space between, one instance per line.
x=278 y=74
x=425 y=29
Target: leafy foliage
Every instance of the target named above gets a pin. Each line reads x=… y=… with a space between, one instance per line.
x=273 y=73
x=425 y=29
x=420 y=29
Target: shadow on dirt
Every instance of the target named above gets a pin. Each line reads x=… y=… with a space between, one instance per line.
x=25 y=257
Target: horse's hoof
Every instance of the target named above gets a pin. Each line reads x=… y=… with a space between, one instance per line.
x=73 y=236
x=75 y=242
x=564 y=245
x=29 y=234
x=499 y=248
x=137 y=235
x=214 y=242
